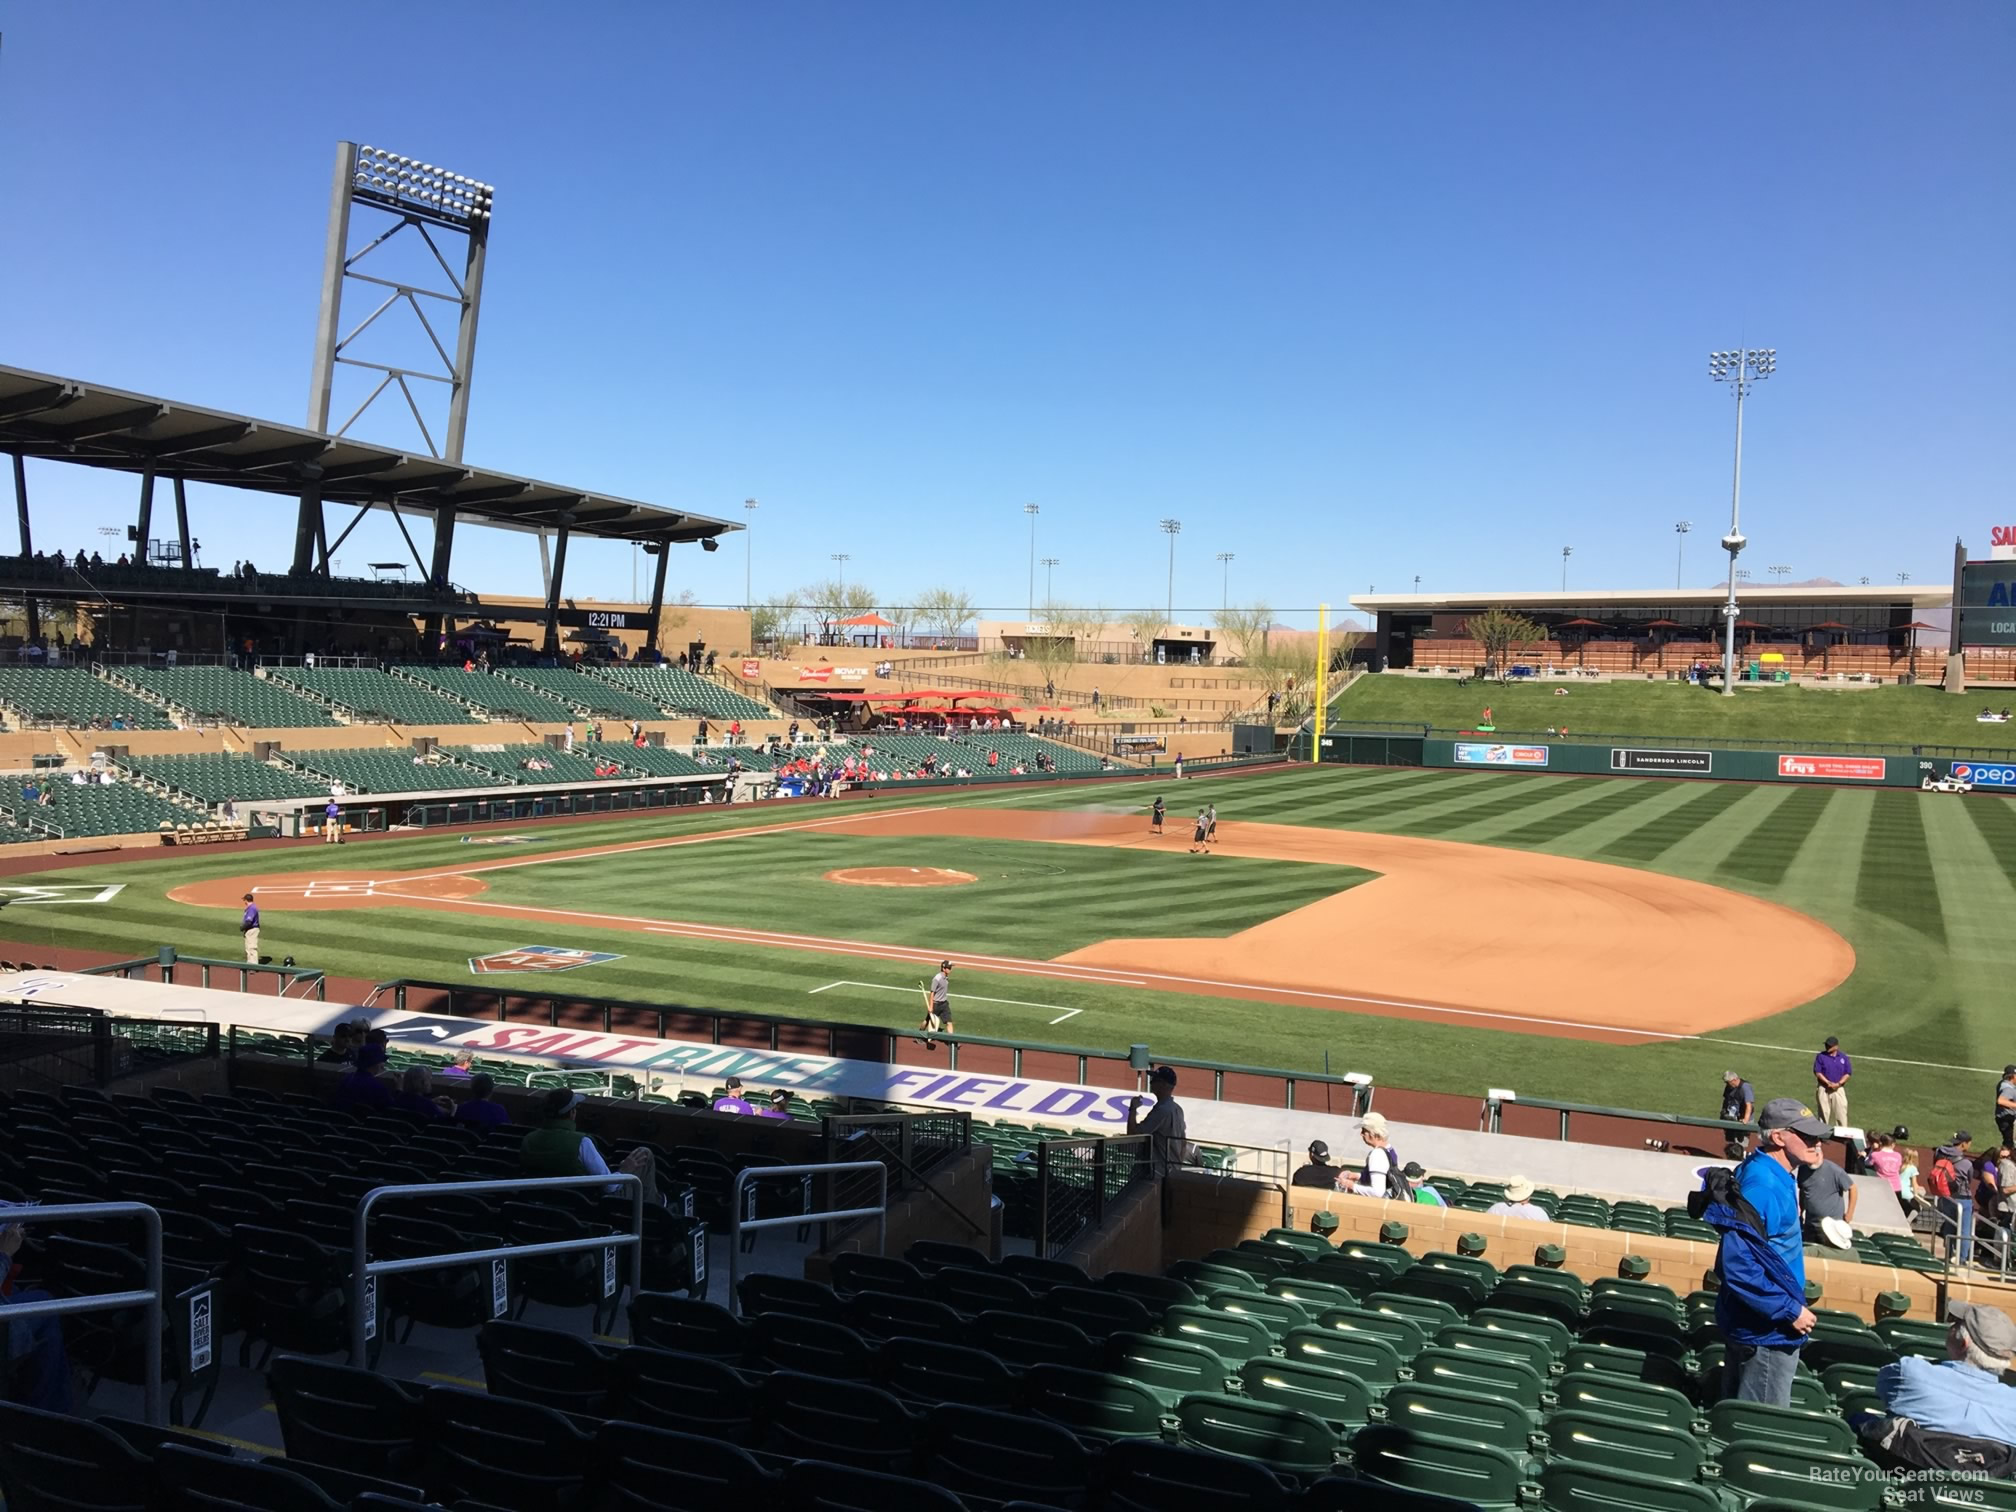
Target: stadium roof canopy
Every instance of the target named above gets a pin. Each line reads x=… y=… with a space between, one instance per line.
x=69 y=420
x=1761 y=594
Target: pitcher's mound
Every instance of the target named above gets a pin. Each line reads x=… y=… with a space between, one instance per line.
x=901 y=876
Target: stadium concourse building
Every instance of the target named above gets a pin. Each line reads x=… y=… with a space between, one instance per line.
x=1818 y=629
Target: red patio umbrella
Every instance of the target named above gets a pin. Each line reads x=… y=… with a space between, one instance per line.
x=869 y=621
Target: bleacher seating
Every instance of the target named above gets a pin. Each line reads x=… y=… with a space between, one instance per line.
x=911 y=750
x=485 y=690
x=689 y=693
x=372 y=695
x=221 y=695
x=508 y=762
x=212 y=777
x=118 y=808
x=391 y=771
x=658 y=761
x=73 y=696
x=580 y=691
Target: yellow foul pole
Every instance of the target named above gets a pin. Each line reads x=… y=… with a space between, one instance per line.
x=1322 y=680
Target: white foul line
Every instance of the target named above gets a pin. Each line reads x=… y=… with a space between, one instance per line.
x=964 y=997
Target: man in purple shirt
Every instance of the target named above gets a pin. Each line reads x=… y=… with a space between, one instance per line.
x=1831 y=1069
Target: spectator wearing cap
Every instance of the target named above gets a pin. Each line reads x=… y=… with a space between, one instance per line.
x=1424 y=1192
x=1831 y=1070
x=1827 y=1201
x=731 y=1099
x=1739 y=1105
x=1378 y=1156
x=557 y=1147
x=1164 y=1124
x=2005 y=1105
x=1760 y=1308
x=364 y=1085
x=1952 y=1185
x=342 y=1046
x=1962 y=1393
x=479 y=1107
x=1317 y=1171
x=1518 y=1202
x=780 y=1105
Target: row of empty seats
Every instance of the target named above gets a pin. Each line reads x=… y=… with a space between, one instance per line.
x=688 y=692
x=370 y=695
x=94 y=809
x=220 y=695
x=73 y=696
x=484 y=690
x=390 y=771
x=579 y=690
x=214 y=777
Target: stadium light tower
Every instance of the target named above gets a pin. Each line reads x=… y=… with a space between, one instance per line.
x=433 y=205
x=843 y=558
x=1171 y=528
x=1050 y=578
x=1680 y=530
x=1225 y=559
x=1032 y=510
x=1740 y=369
x=1566 y=552
x=1779 y=571
x=748 y=554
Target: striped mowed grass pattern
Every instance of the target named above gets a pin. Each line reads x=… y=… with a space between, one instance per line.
x=1919 y=884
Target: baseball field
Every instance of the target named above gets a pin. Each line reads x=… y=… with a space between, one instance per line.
x=1619 y=941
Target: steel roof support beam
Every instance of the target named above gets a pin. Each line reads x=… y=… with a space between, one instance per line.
x=145 y=523
x=27 y=542
x=553 y=592
x=182 y=518
x=664 y=550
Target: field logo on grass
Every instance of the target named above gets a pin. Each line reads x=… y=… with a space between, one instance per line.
x=63 y=894
x=1478 y=753
x=496 y=839
x=1834 y=768
x=1985 y=776
x=538 y=958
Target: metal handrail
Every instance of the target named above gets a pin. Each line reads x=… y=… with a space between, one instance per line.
x=365 y=1271
x=738 y=1225
x=1495 y=1100
x=151 y=1298
x=167 y=958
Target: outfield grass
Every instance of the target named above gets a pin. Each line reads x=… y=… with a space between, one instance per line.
x=1920 y=884
x=1789 y=715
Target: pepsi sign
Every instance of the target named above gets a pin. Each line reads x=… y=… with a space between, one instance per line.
x=1984 y=776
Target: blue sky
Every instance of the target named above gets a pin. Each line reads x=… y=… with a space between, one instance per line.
x=1355 y=292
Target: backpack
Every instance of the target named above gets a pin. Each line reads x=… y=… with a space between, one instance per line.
x=1897 y=1443
x=1398 y=1187
x=1944 y=1175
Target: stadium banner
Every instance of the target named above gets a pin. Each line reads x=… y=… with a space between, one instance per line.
x=1834 y=768
x=1478 y=753
x=1654 y=762
x=1987 y=607
x=752 y=669
x=1984 y=774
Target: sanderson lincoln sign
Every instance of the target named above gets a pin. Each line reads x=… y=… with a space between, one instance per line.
x=1988 y=599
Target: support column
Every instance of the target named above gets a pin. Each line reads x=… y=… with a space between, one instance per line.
x=553 y=593
x=182 y=519
x=144 y=526
x=657 y=596
x=1956 y=653
x=437 y=574
x=308 y=524
x=34 y=609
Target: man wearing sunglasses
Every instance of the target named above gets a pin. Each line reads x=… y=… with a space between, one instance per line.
x=1761 y=1309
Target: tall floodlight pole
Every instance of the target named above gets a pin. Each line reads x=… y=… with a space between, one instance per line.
x=1032 y=510
x=1740 y=369
x=843 y=559
x=1566 y=552
x=1171 y=528
x=1050 y=578
x=1680 y=530
x=749 y=555
x=1225 y=584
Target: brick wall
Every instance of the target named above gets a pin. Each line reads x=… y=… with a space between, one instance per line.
x=1213 y=1212
x=963 y=1216
x=1129 y=1239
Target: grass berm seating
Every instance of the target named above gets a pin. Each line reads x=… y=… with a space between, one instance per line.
x=373 y=696
x=687 y=692
x=212 y=777
x=220 y=695
x=485 y=690
x=72 y=696
x=392 y=771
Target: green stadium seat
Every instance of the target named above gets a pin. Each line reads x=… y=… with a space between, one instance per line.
x=1479 y=1474
x=390 y=771
x=1095 y=1404
x=1929 y=1491
x=1001 y=1457
x=1630 y=1364
x=1025 y=1341
x=926 y=1372
x=1277 y=1315
x=1205 y=1278
x=1337 y=1396
x=222 y=695
x=1506 y=1345
x=1492 y=1375
x=73 y=697
x=1731 y=1421
x=508 y=762
x=1420 y=1407
x=1101 y=1313
x=1234 y=1339
x=654 y=761
x=1407 y=1336
x=1802 y=1478
x=1557 y=1336
x=1629 y=1444
x=1285 y=1439
x=1311 y=1245
x=493 y=694
x=676 y=688
x=210 y=778
x=1910 y=1337
x=1432 y=1313
x=371 y=696
x=1575 y=1485
x=1171 y=1368
x=1623 y=1292
x=1373 y=1360
x=586 y=693
x=1316 y=1296
x=1617 y=1398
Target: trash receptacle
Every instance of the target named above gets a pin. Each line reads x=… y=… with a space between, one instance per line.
x=995 y=1214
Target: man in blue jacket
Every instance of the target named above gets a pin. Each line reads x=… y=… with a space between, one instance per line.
x=1761 y=1309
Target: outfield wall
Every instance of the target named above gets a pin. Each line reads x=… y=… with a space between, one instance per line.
x=1484 y=752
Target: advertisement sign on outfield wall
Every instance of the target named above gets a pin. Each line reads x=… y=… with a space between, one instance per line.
x=1834 y=768
x=1474 y=753
x=1698 y=763
x=1983 y=775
